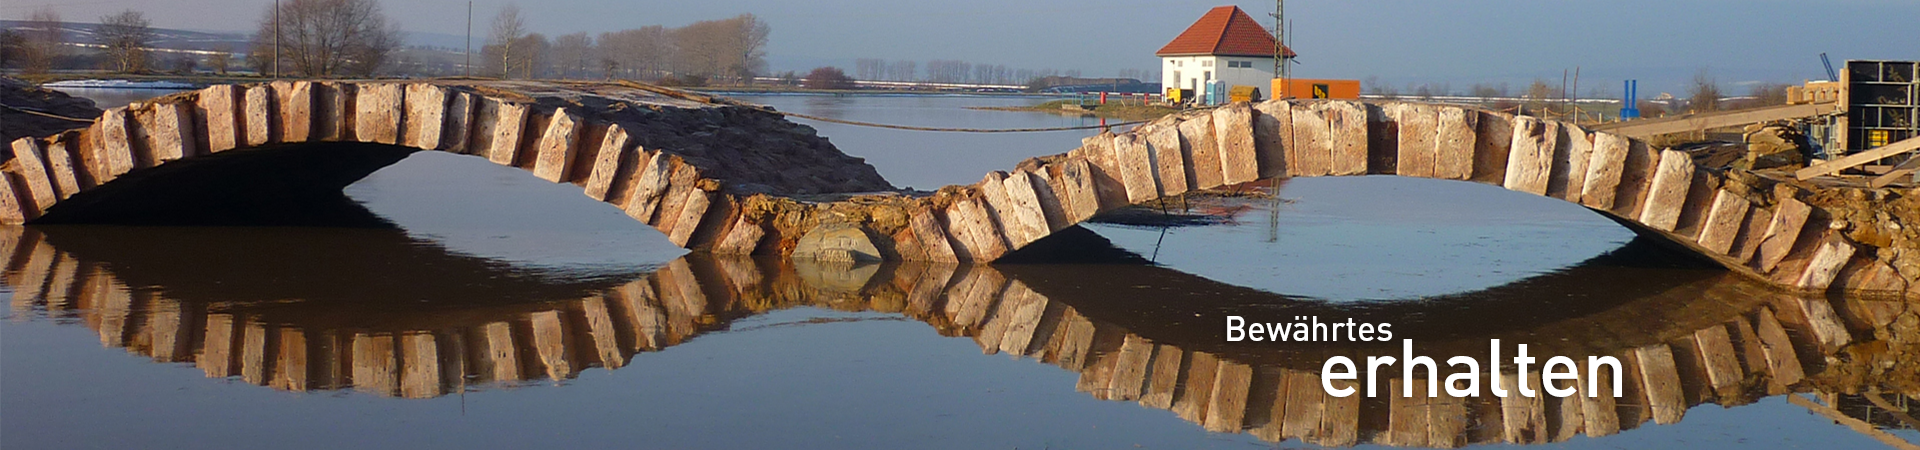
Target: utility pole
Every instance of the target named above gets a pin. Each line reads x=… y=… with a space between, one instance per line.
x=276 y=39
x=467 y=69
x=1280 y=44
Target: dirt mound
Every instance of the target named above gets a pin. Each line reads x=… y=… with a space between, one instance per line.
x=22 y=100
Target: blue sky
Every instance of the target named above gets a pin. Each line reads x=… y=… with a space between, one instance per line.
x=1457 y=42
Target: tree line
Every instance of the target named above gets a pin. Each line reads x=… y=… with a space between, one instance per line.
x=732 y=49
x=123 y=39
x=329 y=38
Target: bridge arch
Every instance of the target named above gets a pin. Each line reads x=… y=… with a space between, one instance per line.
x=609 y=139
x=1750 y=224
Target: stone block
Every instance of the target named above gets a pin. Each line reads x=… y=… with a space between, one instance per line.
x=217 y=113
x=1602 y=182
x=1046 y=190
x=457 y=130
x=64 y=168
x=973 y=230
x=1109 y=190
x=1347 y=125
x=1419 y=152
x=12 y=211
x=1272 y=136
x=1312 y=149
x=1571 y=157
x=690 y=214
x=295 y=106
x=1636 y=179
x=426 y=116
x=741 y=239
x=1454 y=142
x=1233 y=128
x=1530 y=161
x=1492 y=147
x=1083 y=201
x=1729 y=211
x=654 y=176
x=30 y=164
x=1783 y=231
x=1170 y=165
x=1135 y=160
x=606 y=164
x=379 y=112
x=1202 y=152
x=1668 y=198
x=556 y=151
x=500 y=129
x=333 y=111
x=116 y=150
x=834 y=241
x=169 y=132
x=259 y=103
x=1826 y=263
x=935 y=244
x=1026 y=221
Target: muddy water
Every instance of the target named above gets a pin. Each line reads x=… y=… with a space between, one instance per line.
x=508 y=312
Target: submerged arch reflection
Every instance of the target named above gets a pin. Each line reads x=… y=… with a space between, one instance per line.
x=1686 y=342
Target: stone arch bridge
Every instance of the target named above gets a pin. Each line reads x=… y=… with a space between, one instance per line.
x=731 y=178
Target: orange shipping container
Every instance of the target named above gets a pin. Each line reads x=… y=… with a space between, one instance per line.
x=1309 y=88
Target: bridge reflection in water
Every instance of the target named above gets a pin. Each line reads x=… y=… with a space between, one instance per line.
x=315 y=314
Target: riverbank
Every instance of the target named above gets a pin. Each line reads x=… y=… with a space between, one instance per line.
x=1072 y=107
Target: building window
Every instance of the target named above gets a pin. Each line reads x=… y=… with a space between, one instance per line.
x=1206 y=64
x=1240 y=64
x=1176 y=77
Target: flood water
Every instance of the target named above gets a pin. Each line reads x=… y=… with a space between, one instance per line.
x=508 y=312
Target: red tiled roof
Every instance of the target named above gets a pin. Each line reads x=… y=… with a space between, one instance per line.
x=1223 y=31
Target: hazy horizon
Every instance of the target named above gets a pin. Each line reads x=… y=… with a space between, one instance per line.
x=1661 y=43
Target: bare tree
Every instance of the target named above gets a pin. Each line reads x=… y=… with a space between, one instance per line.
x=508 y=29
x=319 y=38
x=41 y=44
x=1704 y=94
x=221 y=59
x=535 y=56
x=572 y=55
x=126 y=36
x=868 y=68
x=748 y=40
x=1769 y=94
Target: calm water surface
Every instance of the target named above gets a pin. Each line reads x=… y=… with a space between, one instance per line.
x=507 y=312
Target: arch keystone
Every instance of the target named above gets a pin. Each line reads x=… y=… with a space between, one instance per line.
x=1273 y=137
x=1418 y=151
x=379 y=112
x=1233 y=128
x=1454 y=143
x=1347 y=127
x=426 y=116
x=258 y=103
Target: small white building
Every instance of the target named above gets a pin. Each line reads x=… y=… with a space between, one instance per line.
x=1226 y=45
